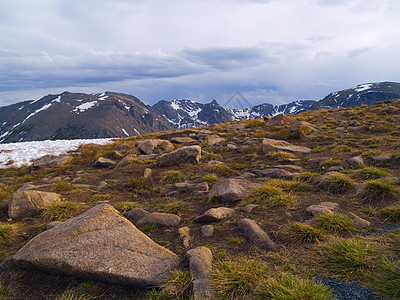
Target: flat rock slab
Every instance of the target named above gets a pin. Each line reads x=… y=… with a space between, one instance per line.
x=323 y=208
x=214 y=214
x=102 y=162
x=25 y=201
x=188 y=154
x=182 y=140
x=101 y=245
x=256 y=235
x=274 y=173
x=281 y=145
x=231 y=189
x=160 y=219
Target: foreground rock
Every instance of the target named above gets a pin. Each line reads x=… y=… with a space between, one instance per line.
x=159 y=219
x=281 y=145
x=214 y=214
x=101 y=245
x=230 y=189
x=200 y=263
x=23 y=202
x=188 y=154
x=51 y=160
x=256 y=235
x=323 y=208
x=102 y=162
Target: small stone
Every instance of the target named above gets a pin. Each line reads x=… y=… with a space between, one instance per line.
x=322 y=208
x=231 y=146
x=135 y=214
x=249 y=208
x=51 y=160
x=382 y=158
x=256 y=235
x=102 y=185
x=160 y=219
x=214 y=214
x=167 y=146
x=356 y=161
x=247 y=175
x=147 y=173
x=207 y=230
x=230 y=189
x=184 y=233
x=335 y=169
x=102 y=162
x=359 y=221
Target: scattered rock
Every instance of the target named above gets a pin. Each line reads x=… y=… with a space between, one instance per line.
x=230 y=189
x=192 y=187
x=101 y=245
x=160 y=219
x=247 y=175
x=274 y=173
x=281 y=119
x=188 y=154
x=207 y=230
x=323 y=208
x=256 y=235
x=135 y=214
x=335 y=169
x=147 y=173
x=214 y=214
x=183 y=140
x=146 y=157
x=167 y=146
x=102 y=185
x=356 y=161
x=359 y=221
x=200 y=263
x=303 y=129
x=53 y=224
x=281 y=145
x=231 y=146
x=102 y=162
x=249 y=208
x=51 y=160
x=354 y=123
x=382 y=158
x=251 y=141
x=130 y=158
x=147 y=146
x=23 y=202
x=184 y=233
x=214 y=139
x=117 y=155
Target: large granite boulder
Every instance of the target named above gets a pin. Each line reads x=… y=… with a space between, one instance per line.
x=102 y=245
x=25 y=201
x=230 y=189
x=281 y=145
x=147 y=146
x=188 y=154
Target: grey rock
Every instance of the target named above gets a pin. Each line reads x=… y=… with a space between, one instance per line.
x=323 y=208
x=281 y=145
x=102 y=162
x=166 y=146
x=200 y=263
x=214 y=214
x=147 y=173
x=184 y=233
x=230 y=189
x=274 y=173
x=281 y=119
x=356 y=161
x=147 y=146
x=135 y=214
x=145 y=157
x=182 y=140
x=101 y=245
x=207 y=230
x=188 y=154
x=247 y=175
x=256 y=235
x=249 y=208
x=231 y=146
x=23 y=202
x=382 y=158
x=192 y=187
x=214 y=139
x=160 y=219
x=129 y=159
x=335 y=169
x=51 y=160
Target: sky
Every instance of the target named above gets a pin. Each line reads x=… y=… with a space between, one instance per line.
x=273 y=51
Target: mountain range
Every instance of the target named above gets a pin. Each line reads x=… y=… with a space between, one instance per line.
x=109 y=114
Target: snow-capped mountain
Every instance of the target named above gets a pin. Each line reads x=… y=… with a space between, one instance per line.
x=367 y=93
x=77 y=116
x=187 y=113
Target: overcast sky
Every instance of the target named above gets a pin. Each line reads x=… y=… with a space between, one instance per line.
x=274 y=51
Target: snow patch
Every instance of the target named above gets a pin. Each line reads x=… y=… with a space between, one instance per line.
x=23 y=153
x=124 y=131
x=84 y=106
x=136 y=131
x=363 y=87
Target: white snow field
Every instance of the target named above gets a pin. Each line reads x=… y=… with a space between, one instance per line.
x=23 y=153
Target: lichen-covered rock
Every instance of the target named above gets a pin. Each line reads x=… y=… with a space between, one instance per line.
x=200 y=263
x=188 y=154
x=281 y=145
x=25 y=201
x=101 y=245
x=230 y=189
x=256 y=235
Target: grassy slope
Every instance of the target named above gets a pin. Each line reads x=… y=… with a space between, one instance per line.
x=378 y=132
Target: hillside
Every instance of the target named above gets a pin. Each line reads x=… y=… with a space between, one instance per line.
x=309 y=209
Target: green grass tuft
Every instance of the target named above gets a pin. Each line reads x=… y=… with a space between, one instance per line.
x=7 y=232
x=334 y=182
x=387 y=278
x=179 y=285
x=303 y=233
x=173 y=177
x=375 y=191
x=61 y=211
x=391 y=213
x=346 y=257
x=269 y=195
x=335 y=223
x=177 y=207
x=288 y=287
x=368 y=173
x=236 y=279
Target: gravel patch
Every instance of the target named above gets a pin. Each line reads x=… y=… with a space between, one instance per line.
x=347 y=291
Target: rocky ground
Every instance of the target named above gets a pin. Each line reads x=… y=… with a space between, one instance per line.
x=300 y=207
